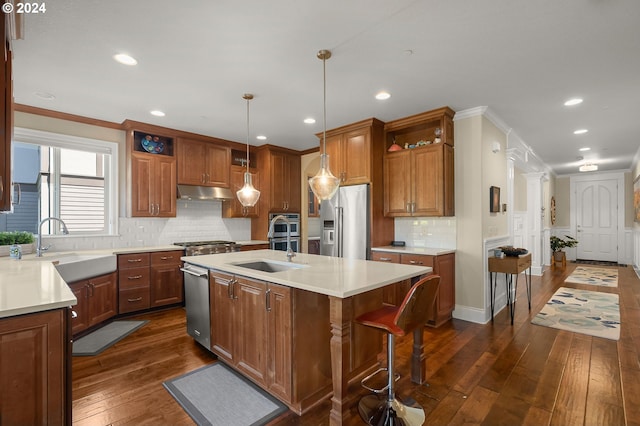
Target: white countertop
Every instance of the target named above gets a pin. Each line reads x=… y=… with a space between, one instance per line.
x=33 y=284
x=252 y=242
x=430 y=251
x=332 y=276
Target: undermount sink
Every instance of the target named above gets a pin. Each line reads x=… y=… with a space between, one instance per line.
x=75 y=267
x=269 y=265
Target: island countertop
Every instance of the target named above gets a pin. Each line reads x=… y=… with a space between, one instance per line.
x=332 y=276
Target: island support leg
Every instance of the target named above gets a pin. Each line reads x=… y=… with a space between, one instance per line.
x=418 y=358
x=340 y=313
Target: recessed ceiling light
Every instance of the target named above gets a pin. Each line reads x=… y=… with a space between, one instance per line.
x=125 y=59
x=572 y=102
x=580 y=132
x=261 y=137
x=383 y=95
x=45 y=95
x=586 y=148
x=309 y=120
x=157 y=113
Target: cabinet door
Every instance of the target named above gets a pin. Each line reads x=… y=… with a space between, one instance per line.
x=166 y=278
x=251 y=328
x=6 y=130
x=357 y=157
x=222 y=315
x=233 y=208
x=446 y=268
x=279 y=177
x=191 y=162
x=428 y=181
x=217 y=165
x=81 y=309
x=279 y=340
x=141 y=186
x=165 y=188
x=103 y=298
x=293 y=184
x=397 y=184
x=33 y=369
x=335 y=152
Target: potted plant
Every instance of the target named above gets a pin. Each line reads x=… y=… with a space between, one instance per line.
x=557 y=244
x=13 y=240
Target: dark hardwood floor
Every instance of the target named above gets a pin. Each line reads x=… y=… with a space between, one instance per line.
x=493 y=374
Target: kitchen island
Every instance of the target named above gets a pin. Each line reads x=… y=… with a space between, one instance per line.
x=320 y=291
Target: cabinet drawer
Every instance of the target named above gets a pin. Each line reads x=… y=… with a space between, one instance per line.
x=133 y=278
x=135 y=299
x=381 y=256
x=416 y=259
x=133 y=260
x=166 y=257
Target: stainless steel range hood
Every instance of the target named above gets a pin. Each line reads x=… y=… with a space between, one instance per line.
x=204 y=193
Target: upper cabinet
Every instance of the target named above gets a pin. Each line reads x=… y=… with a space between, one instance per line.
x=281 y=168
x=6 y=116
x=419 y=180
x=203 y=163
x=351 y=150
x=151 y=174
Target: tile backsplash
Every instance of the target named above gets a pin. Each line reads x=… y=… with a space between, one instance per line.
x=438 y=232
x=195 y=221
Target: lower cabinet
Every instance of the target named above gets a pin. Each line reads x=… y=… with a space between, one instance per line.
x=443 y=265
x=97 y=301
x=253 y=326
x=35 y=379
x=149 y=279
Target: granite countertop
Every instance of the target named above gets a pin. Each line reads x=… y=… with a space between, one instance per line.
x=332 y=276
x=431 y=251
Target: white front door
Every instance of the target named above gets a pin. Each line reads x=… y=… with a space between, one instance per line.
x=597 y=220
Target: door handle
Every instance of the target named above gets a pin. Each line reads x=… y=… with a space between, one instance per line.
x=137 y=299
x=267 y=302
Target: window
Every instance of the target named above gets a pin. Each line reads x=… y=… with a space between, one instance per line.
x=63 y=176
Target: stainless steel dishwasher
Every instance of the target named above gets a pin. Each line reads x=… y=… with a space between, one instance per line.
x=196 y=299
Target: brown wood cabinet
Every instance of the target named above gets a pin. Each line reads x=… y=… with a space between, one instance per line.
x=419 y=182
x=97 y=301
x=253 y=327
x=284 y=194
x=35 y=373
x=6 y=118
x=233 y=207
x=149 y=279
x=248 y=247
x=203 y=163
x=166 y=278
x=443 y=265
x=153 y=185
x=350 y=150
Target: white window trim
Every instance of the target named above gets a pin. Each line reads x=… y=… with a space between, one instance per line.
x=39 y=137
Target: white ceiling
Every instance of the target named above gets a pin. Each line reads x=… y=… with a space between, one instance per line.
x=196 y=58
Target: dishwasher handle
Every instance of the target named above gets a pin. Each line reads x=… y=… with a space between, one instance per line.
x=195 y=272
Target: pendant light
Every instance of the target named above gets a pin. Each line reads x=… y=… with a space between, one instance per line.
x=248 y=195
x=324 y=184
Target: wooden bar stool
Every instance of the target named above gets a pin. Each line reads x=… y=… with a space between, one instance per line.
x=417 y=307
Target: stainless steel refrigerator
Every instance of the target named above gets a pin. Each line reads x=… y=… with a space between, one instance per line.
x=345 y=223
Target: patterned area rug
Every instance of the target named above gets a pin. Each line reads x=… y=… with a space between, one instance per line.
x=582 y=311
x=606 y=277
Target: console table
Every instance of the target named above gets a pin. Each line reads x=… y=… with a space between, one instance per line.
x=510 y=266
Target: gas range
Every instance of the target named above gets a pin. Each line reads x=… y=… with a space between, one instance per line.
x=196 y=248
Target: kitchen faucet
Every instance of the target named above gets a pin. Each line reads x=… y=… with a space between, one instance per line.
x=290 y=252
x=39 y=248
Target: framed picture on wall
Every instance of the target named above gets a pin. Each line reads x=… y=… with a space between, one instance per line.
x=494 y=199
x=636 y=199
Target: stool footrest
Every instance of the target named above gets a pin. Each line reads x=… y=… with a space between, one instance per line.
x=364 y=381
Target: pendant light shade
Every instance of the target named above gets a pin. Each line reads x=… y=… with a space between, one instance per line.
x=248 y=195
x=324 y=184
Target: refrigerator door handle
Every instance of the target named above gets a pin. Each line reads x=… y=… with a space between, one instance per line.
x=339 y=233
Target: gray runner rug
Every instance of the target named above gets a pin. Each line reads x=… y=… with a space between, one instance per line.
x=217 y=395
x=99 y=340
